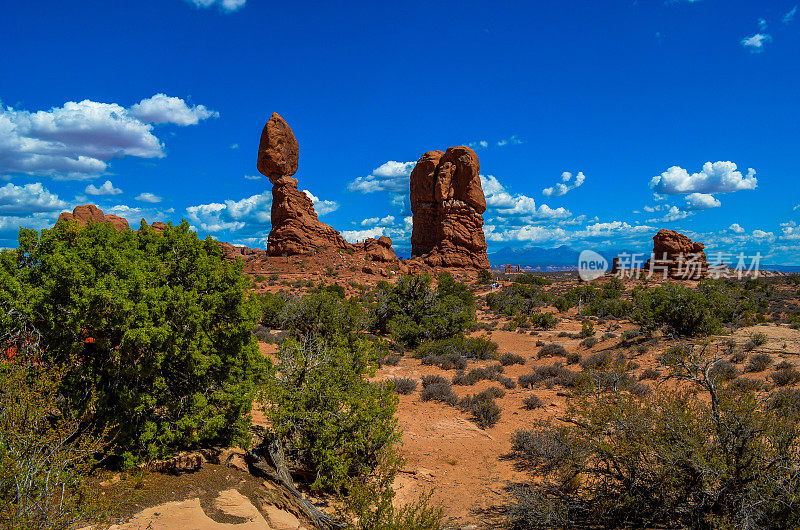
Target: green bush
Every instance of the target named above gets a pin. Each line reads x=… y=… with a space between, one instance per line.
x=484 y=277
x=531 y=279
x=413 y=312
x=155 y=328
x=466 y=347
x=332 y=420
x=706 y=455
x=543 y=320
x=682 y=310
x=517 y=299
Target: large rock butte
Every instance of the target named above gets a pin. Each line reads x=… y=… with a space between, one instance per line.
x=296 y=229
x=447 y=202
x=679 y=256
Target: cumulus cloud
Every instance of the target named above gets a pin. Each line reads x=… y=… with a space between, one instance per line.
x=76 y=141
x=165 y=109
x=28 y=199
x=228 y=6
x=673 y=214
x=106 y=189
x=736 y=228
x=701 y=201
x=355 y=236
x=390 y=176
x=373 y=221
x=320 y=206
x=148 y=197
x=530 y=234
x=566 y=184
x=755 y=43
x=503 y=203
x=789 y=17
x=717 y=177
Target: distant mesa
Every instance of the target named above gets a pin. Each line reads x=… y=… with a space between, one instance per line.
x=447 y=202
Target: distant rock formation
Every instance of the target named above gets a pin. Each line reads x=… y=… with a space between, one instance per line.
x=232 y=252
x=380 y=249
x=678 y=256
x=296 y=229
x=447 y=202
x=86 y=213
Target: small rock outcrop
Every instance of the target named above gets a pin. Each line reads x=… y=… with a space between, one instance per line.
x=296 y=229
x=86 y=213
x=232 y=252
x=380 y=249
x=678 y=256
x=447 y=202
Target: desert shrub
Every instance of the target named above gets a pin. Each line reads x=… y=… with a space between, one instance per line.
x=484 y=277
x=262 y=334
x=466 y=347
x=490 y=373
x=704 y=456
x=437 y=390
x=786 y=376
x=393 y=359
x=413 y=312
x=404 y=385
x=745 y=384
x=428 y=380
x=272 y=306
x=543 y=320
x=723 y=370
x=759 y=339
x=784 y=365
x=786 y=400
x=449 y=361
x=589 y=342
x=517 y=299
x=597 y=361
x=528 y=380
x=332 y=420
x=758 y=362
x=649 y=374
x=552 y=350
x=482 y=408
x=609 y=335
x=532 y=402
x=574 y=358
x=507 y=382
x=508 y=359
x=587 y=328
x=156 y=327
x=46 y=453
x=739 y=356
x=321 y=316
x=676 y=307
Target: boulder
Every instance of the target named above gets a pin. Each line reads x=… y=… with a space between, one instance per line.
x=296 y=229
x=232 y=252
x=380 y=249
x=677 y=256
x=447 y=202
x=86 y=213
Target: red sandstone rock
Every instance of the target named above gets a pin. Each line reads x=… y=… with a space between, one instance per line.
x=232 y=252
x=380 y=249
x=86 y=213
x=296 y=229
x=679 y=256
x=447 y=201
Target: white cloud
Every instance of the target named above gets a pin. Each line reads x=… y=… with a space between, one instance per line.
x=106 y=189
x=563 y=187
x=761 y=234
x=165 y=109
x=227 y=6
x=480 y=144
x=28 y=199
x=719 y=177
x=673 y=214
x=513 y=140
x=373 y=221
x=210 y=217
x=391 y=176
x=254 y=177
x=503 y=203
x=322 y=207
x=762 y=24
x=75 y=141
x=531 y=234
x=148 y=197
x=234 y=146
x=788 y=17
x=736 y=228
x=755 y=43
x=701 y=201
x=354 y=236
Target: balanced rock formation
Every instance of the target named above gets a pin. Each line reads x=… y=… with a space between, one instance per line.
x=677 y=256
x=86 y=213
x=447 y=202
x=296 y=229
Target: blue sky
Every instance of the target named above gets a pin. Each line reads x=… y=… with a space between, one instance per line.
x=596 y=122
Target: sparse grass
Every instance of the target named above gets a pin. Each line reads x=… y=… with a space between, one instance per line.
x=649 y=374
x=589 y=342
